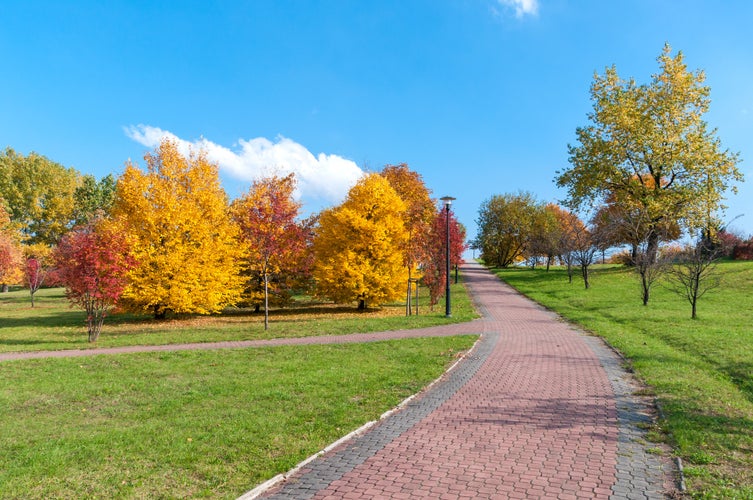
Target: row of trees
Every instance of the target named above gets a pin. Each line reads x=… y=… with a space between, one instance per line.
x=44 y=199
x=516 y=227
x=646 y=170
x=169 y=240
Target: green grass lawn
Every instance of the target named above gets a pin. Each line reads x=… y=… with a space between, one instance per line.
x=195 y=423
x=53 y=325
x=701 y=370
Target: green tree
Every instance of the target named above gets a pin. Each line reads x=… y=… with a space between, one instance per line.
x=649 y=148
x=358 y=246
x=93 y=198
x=39 y=194
x=545 y=234
x=505 y=224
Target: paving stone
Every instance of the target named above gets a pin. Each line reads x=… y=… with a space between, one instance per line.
x=538 y=409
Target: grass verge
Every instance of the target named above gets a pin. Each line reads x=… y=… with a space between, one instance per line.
x=701 y=370
x=195 y=423
x=54 y=325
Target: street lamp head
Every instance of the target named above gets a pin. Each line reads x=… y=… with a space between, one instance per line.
x=447 y=200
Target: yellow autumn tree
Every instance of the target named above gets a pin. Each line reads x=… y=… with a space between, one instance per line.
x=358 y=247
x=186 y=247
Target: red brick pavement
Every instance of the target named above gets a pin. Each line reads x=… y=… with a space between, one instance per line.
x=537 y=420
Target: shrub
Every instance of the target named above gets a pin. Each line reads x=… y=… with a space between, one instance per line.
x=743 y=251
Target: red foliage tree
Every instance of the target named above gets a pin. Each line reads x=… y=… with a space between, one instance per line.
x=743 y=251
x=277 y=244
x=34 y=276
x=92 y=262
x=435 y=268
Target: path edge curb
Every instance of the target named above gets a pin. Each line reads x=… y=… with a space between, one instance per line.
x=274 y=481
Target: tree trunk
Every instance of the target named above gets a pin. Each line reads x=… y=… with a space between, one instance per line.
x=266 y=301
x=4 y=288
x=95 y=328
x=646 y=288
x=408 y=296
x=695 y=284
x=160 y=314
x=584 y=272
x=652 y=247
x=361 y=304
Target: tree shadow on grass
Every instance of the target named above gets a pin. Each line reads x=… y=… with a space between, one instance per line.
x=52 y=320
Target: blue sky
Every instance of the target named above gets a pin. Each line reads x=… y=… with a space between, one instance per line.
x=481 y=97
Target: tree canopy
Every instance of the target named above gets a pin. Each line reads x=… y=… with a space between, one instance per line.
x=93 y=197
x=648 y=147
x=359 y=244
x=177 y=219
x=435 y=267
x=10 y=251
x=505 y=226
x=39 y=195
x=276 y=242
x=419 y=211
x=92 y=262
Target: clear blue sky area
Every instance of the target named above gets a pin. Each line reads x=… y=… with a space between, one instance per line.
x=481 y=97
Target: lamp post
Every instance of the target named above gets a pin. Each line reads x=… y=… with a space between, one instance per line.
x=447 y=202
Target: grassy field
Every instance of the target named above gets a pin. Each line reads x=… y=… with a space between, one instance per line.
x=195 y=423
x=700 y=370
x=53 y=325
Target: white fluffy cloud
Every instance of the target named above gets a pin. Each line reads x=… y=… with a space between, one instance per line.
x=522 y=7
x=324 y=178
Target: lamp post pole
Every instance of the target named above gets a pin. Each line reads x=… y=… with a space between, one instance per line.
x=447 y=202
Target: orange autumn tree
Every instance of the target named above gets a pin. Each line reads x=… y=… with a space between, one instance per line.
x=11 y=254
x=358 y=247
x=275 y=241
x=176 y=217
x=418 y=217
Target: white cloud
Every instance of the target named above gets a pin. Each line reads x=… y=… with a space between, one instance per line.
x=521 y=7
x=321 y=178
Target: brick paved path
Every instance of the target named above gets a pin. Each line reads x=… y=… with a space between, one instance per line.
x=537 y=410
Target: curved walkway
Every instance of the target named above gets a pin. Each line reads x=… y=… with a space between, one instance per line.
x=536 y=410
